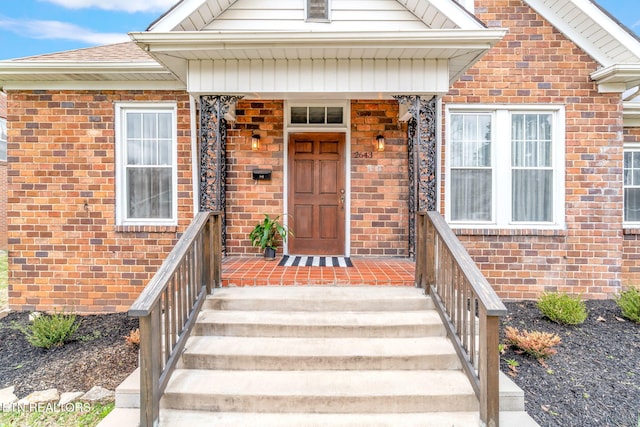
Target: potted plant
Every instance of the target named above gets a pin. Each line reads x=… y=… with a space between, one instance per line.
x=264 y=234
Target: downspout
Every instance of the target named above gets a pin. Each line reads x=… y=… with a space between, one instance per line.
x=195 y=172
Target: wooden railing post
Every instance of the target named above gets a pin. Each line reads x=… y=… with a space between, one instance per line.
x=207 y=255
x=489 y=370
x=150 y=365
x=216 y=238
x=420 y=251
x=430 y=255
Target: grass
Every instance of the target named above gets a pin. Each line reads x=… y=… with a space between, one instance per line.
x=76 y=415
x=4 y=279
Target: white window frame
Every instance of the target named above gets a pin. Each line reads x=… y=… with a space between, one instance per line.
x=501 y=203
x=3 y=138
x=628 y=147
x=323 y=126
x=121 y=110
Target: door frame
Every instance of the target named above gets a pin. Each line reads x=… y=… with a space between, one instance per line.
x=343 y=128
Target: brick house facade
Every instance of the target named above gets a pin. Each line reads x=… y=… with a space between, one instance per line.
x=3 y=177
x=69 y=249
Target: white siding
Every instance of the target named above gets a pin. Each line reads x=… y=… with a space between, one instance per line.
x=316 y=76
x=346 y=15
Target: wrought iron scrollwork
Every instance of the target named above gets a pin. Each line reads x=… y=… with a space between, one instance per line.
x=213 y=154
x=422 y=148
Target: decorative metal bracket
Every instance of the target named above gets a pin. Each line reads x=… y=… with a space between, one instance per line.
x=213 y=154
x=422 y=148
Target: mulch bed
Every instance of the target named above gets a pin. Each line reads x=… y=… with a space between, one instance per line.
x=99 y=355
x=593 y=380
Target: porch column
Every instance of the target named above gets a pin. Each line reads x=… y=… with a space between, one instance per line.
x=213 y=154
x=422 y=148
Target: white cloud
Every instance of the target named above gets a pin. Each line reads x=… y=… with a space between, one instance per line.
x=636 y=25
x=117 y=5
x=56 y=30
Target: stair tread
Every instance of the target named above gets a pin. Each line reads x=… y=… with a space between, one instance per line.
x=325 y=318
x=318 y=347
x=354 y=293
x=172 y=417
x=319 y=383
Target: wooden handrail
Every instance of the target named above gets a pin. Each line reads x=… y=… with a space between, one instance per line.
x=468 y=306
x=169 y=304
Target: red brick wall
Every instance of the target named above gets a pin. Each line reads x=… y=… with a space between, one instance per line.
x=535 y=64
x=3 y=183
x=378 y=183
x=65 y=251
x=631 y=248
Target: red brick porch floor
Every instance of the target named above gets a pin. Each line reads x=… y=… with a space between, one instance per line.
x=255 y=271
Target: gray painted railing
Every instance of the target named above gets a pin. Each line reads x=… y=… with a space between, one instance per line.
x=468 y=306
x=169 y=304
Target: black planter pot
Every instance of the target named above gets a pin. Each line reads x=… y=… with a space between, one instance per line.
x=269 y=253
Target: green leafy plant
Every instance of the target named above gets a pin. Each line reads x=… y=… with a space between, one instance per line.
x=50 y=330
x=265 y=233
x=562 y=308
x=535 y=343
x=629 y=302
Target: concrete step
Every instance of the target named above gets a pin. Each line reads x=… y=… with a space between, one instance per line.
x=257 y=353
x=169 y=418
x=320 y=324
x=319 y=298
x=320 y=391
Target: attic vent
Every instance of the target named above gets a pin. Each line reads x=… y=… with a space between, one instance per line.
x=317 y=10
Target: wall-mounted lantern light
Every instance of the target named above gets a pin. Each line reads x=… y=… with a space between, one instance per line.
x=255 y=142
x=379 y=143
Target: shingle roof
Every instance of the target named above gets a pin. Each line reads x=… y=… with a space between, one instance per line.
x=120 y=52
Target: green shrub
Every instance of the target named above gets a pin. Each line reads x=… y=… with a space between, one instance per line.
x=50 y=330
x=562 y=308
x=629 y=302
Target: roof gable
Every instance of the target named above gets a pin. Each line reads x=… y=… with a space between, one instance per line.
x=255 y=15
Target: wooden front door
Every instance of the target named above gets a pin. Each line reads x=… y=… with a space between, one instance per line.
x=317 y=193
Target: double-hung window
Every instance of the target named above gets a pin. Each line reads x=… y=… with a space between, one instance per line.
x=505 y=166
x=146 y=164
x=632 y=186
x=3 y=140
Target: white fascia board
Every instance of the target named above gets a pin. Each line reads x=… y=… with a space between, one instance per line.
x=631 y=114
x=175 y=16
x=584 y=43
x=75 y=67
x=92 y=85
x=617 y=77
x=457 y=13
x=194 y=40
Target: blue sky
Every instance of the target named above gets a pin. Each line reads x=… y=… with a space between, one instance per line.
x=33 y=27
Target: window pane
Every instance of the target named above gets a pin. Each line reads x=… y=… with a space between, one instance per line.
x=316 y=115
x=334 y=115
x=149 y=193
x=150 y=125
x=531 y=144
x=164 y=125
x=471 y=195
x=532 y=192
x=632 y=204
x=471 y=140
x=3 y=150
x=134 y=125
x=134 y=151
x=299 y=115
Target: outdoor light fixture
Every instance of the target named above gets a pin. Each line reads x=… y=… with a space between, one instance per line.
x=380 y=143
x=255 y=142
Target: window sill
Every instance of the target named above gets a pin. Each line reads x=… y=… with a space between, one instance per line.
x=510 y=232
x=631 y=231
x=146 y=228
